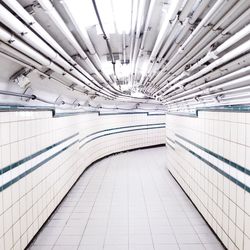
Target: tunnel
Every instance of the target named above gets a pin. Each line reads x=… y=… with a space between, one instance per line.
x=124 y=124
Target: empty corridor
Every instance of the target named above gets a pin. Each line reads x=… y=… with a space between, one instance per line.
x=127 y=201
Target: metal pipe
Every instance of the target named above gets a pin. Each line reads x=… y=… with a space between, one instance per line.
x=195 y=52
x=228 y=56
x=145 y=31
x=53 y=14
x=197 y=90
x=27 y=35
x=174 y=7
x=137 y=37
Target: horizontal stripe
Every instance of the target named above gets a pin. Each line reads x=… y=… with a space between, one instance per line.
x=28 y=158
x=130 y=113
x=118 y=132
x=19 y=177
x=237 y=182
x=223 y=108
x=25 y=173
x=19 y=108
x=110 y=129
x=170 y=139
x=219 y=157
x=170 y=145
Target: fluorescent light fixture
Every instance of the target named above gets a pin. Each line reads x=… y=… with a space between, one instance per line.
x=82 y=11
x=115 y=14
x=137 y=94
x=107 y=67
x=122 y=13
x=144 y=67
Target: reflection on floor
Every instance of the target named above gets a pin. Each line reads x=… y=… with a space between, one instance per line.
x=127 y=201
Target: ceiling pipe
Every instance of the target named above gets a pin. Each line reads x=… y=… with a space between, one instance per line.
x=225 y=31
x=25 y=59
x=34 y=25
x=18 y=44
x=204 y=22
x=242 y=80
x=174 y=7
x=84 y=35
x=31 y=38
x=145 y=32
x=159 y=69
x=228 y=56
x=202 y=87
x=58 y=21
x=213 y=54
x=193 y=54
x=124 y=48
x=135 y=5
x=177 y=27
x=86 y=39
x=198 y=11
x=234 y=93
x=186 y=26
x=228 y=15
x=186 y=10
x=139 y=24
x=21 y=59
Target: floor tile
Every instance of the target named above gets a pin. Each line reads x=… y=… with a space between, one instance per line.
x=166 y=247
x=127 y=201
x=188 y=239
x=46 y=240
x=68 y=240
x=191 y=247
x=164 y=239
x=208 y=238
x=214 y=246
x=116 y=239
x=141 y=247
x=115 y=247
x=140 y=239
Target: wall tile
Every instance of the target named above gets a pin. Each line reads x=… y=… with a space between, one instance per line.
x=224 y=203
x=27 y=203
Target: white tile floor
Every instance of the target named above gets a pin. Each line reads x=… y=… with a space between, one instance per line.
x=127 y=202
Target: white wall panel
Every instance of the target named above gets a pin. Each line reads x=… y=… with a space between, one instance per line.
x=42 y=156
x=209 y=157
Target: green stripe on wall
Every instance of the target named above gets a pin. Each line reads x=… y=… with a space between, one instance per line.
x=237 y=182
x=231 y=163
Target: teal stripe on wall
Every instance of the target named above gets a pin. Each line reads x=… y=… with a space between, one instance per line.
x=19 y=177
x=237 y=182
x=26 y=159
x=30 y=157
x=118 y=132
x=219 y=157
x=132 y=126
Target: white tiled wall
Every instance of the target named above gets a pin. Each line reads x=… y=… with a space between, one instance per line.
x=224 y=204
x=27 y=203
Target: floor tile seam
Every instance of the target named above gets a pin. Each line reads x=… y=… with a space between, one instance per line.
x=208 y=224
x=107 y=226
x=147 y=211
x=71 y=213
x=166 y=212
x=62 y=228
x=105 y=172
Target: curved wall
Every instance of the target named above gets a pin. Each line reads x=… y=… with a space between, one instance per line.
x=209 y=155
x=42 y=156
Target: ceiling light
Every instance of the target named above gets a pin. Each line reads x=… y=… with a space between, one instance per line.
x=137 y=94
x=82 y=11
x=122 y=13
x=115 y=14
